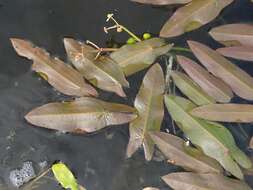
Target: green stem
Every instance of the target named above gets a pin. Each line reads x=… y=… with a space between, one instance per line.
x=131 y=33
x=181 y=49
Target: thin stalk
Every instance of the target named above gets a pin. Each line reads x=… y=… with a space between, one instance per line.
x=181 y=49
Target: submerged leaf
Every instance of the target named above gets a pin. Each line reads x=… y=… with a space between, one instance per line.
x=83 y=115
x=241 y=113
x=193 y=181
x=136 y=57
x=149 y=104
x=162 y=2
x=233 y=34
x=213 y=86
x=64 y=176
x=61 y=76
x=240 y=81
x=102 y=72
x=215 y=140
x=192 y=16
x=191 y=89
x=238 y=52
x=185 y=156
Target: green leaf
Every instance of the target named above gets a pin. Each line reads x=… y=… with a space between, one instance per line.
x=193 y=181
x=149 y=104
x=64 y=176
x=136 y=57
x=189 y=88
x=215 y=140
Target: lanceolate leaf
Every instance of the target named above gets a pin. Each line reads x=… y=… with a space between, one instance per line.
x=191 y=89
x=185 y=156
x=238 y=52
x=136 y=57
x=150 y=188
x=64 y=176
x=213 y=86
x=215 y=140
x=193 y=16
x=83 y=115
x=62 y=77
x=240 y=82
x=149 y=103
x=163 y=2
x=193 y=181
x=102 y=72
x=241 y=113
x=233 y=34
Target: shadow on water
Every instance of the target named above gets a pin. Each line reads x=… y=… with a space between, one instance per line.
x=97 y=160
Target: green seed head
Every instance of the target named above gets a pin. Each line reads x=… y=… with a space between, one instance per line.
x=146 y=36
x=131 y=41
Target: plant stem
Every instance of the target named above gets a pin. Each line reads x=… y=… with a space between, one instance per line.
x=181 y=49
x=131 y=33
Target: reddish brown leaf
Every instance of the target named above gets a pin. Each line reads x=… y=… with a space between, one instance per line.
x=61 y=76
x=213 y=86
x=240 y=81
x=238 y=52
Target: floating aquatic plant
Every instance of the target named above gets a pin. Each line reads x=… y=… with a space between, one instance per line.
x=207 y=91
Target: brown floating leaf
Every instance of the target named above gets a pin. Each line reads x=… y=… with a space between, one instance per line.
x=213 y=86
x=61 y=76
x=193 y=181
x=84 y=115
x=136 y=57
x=162 y=2
x=193 y=16
x=233 y=34
x=191 y=89
x=102 y=72
x=215 y=140
x=185 y=156
x=238 y=52
x=241 y=113
x=240 y=81
x=149 y=104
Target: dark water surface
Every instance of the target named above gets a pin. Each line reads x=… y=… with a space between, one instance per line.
x=97 y=160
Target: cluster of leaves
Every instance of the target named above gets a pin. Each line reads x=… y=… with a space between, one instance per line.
x=207 y=93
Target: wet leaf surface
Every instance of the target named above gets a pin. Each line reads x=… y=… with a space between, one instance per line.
x=149 y=104
x=191 y=159
x=136 y=57
x=83 y=115
x=238 y=52
x=102 y=72
x=189 y=88
x=239 y=81
x=61 y=76
x=233 y=34
x=215 y=140
x=190 y=181
x=241 y=113
x=213 y=86
x=162 y=2
x=192 y=16
x=64 y=176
